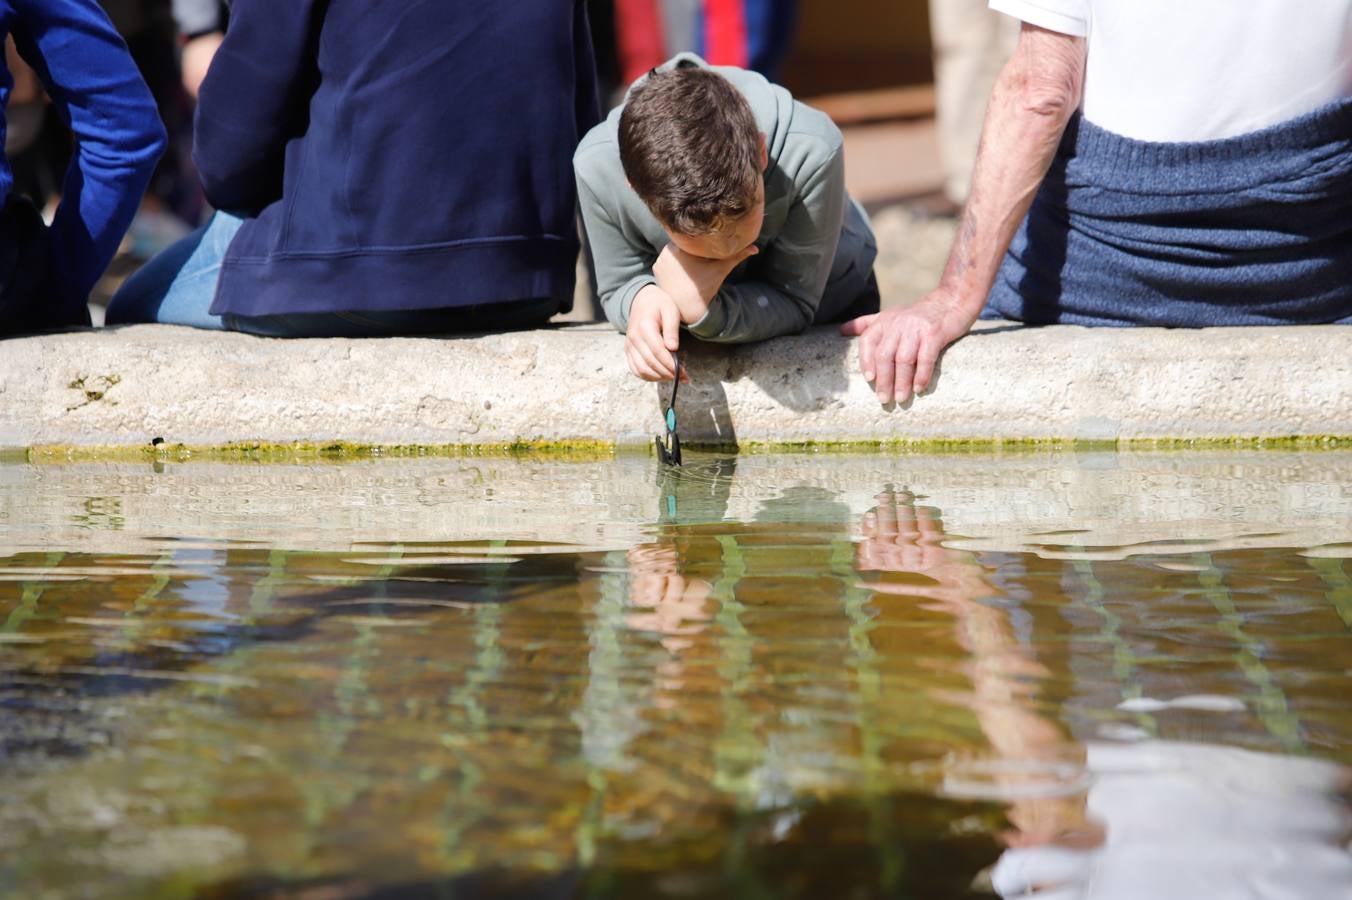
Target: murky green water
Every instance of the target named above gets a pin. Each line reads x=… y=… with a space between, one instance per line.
x=1095 y=675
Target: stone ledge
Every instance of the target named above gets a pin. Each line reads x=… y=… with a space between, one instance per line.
x=124 y=387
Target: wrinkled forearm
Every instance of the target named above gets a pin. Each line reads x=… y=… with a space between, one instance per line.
x=1033 y=100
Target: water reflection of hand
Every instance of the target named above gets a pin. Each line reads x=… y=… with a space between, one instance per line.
x=664 y=601
x=898 y=536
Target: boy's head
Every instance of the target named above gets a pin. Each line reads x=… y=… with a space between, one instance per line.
x=691 y=150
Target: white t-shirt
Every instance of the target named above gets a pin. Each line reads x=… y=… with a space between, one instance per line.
x=1196 y=70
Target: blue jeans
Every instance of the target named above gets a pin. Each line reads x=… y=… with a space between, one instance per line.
x=178 y=286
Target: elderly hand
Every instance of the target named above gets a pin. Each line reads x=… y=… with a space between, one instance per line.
x=898 y=348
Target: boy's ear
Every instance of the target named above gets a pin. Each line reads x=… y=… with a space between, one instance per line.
x=765 y=154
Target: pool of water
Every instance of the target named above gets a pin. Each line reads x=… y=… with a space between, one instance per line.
x=1043 y=675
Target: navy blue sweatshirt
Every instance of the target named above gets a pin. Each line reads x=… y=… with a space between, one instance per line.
x=396 y=155
x=96 y=89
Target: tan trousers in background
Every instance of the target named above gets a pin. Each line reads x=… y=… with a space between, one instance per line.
x=971 y=44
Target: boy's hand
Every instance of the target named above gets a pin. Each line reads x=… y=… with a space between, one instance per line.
x=653 y=335
x=693 y=281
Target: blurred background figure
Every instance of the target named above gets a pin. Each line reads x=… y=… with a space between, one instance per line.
x=751 y=34
x=27 y=104
x=37 y=151
x=174 y=202
x=201 y=26
x=971 y=44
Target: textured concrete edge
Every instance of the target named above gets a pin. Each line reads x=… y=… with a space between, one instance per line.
x=160 y=392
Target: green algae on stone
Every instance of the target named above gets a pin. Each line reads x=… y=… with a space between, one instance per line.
x=941 y=446
x=584 y=449
x=310 y=451
x=94 y=388
x=1288 y=442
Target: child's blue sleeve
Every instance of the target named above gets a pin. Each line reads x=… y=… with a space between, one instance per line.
x=97 y=90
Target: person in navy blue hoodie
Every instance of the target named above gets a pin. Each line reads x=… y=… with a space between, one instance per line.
x=46 y=273
x=382 y=168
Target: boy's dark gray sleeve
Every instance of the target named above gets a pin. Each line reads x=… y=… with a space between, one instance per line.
x=621 y=263
x=791 y=274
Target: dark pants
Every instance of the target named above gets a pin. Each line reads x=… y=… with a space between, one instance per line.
x=852 y=289
x=25 y=262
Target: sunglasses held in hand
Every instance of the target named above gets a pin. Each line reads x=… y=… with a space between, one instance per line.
x=669 y=445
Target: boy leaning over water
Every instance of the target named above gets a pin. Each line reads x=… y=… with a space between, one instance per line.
x=714 y=201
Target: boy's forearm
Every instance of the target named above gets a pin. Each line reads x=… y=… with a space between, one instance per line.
x=693 y=282
x=693 y=309
x=617 y=303
x=619 y=268
x=1033 y=100
x=791 y=273
x=752 y=311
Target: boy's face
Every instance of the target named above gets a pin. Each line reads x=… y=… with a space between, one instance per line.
x=734 y=236
x=729 y=240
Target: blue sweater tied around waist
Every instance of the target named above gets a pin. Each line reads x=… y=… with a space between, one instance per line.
x=1251 y=230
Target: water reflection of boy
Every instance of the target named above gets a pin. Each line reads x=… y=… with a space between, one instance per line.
x=697 y=492
x=662 y=599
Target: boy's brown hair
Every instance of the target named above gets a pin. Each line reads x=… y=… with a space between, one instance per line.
x=691 y=149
